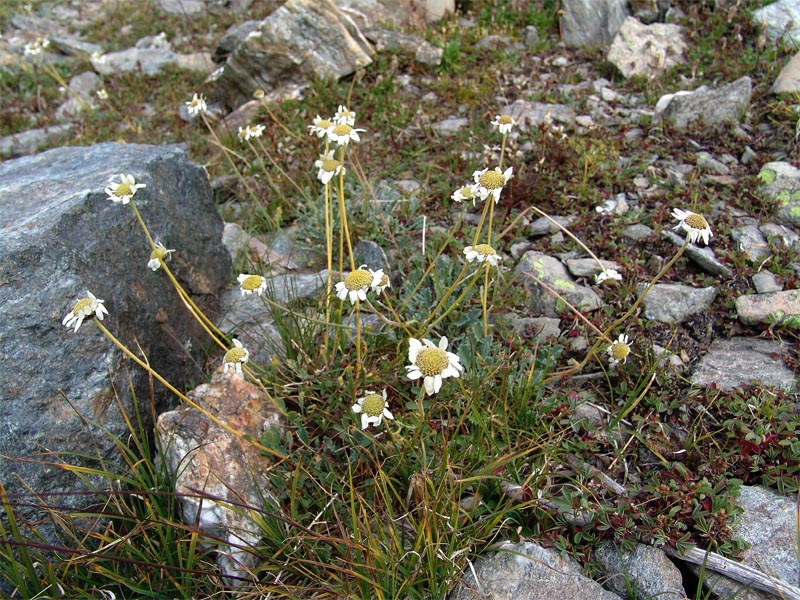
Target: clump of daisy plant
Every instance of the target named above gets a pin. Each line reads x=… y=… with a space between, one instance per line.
x=123 y=191
x=85 y=308
x=159 y=254
x=619 y=350
x=251 y=284
x=695 y=225
x=235 y=358
x=432 y=363
x=373 y=408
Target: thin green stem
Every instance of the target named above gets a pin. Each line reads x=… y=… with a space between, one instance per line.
x=343 y=213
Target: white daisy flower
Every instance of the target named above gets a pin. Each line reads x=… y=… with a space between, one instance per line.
x=380 y=281
x=196 y=105
x=607 y=276
x=102 y=94
x=124 y=191
x=250 y=131
x=433 y=363
x=320 y=127
x=355 y=285
x=252 y=284
x=619 y=350
x=695 y=226
x=373 y=408
x=36 y=47
x=235 y=357
x=342 y=134
x=328 y=167
x=84 y=308
x=465 y=193
x=504 y=123
x=483 y=253
x=158 y=255
x=490 y=183
x=345 y=115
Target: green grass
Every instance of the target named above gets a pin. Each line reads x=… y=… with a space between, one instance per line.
x=511 y=449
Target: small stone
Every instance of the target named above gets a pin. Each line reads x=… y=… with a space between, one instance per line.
x=752 y=242
x=450 y=126
x=738 y=361
x=646 y=569
x=637 y=232
x=543 y=225
x=707 y=162
x=675 y=302
x=766 y=282
x=560 y=61
x=765 y=308
x=588 y=267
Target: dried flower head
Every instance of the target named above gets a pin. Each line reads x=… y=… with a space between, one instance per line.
x=85 y=308
x=123 y=191
x=432 y=363
x=373 y=408
x=695 y=226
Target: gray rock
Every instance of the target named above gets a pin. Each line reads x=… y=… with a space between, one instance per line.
x=765 y=308
x=768 y=524
x=374 y=13
x=591 y=22
x=543 y=225
x=675 y=302
x=450 y=125
x=531 y=36
x=588 y=267
x=61 y=236
x=81 y=97
x=703 y=256
x=707 y=162
x=637 y=231
x=535 y=328
x=232 y=38
x=782 y=186
x=493 y=42
x=647 y=571
x=150 y=60
x=737 y=361
x=301 y=41
x=184 y=8
x=28 y=142
x=780 y=20
x=723 y=105
x=386 y=39
x=646 y=50
x=752 y=242
x=766 y=282
x=780 y=235
x=788 y=80
x=217 y=474
x=526 y=571
x=649 y=11
x=367 y=252
x=531 y=114
x=553 y=274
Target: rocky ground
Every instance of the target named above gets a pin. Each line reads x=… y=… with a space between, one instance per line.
x=685 y=106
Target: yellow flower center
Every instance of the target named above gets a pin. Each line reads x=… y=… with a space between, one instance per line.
x=357 y=280
x=373 y=405
x=235 y=355
x=696 y=221
x=492 y=180
x=82 y=307
x=384 y=281
x=124 y=189
x=619 y=350
x=466 y=192
x=329 y=164
x=342 y=129
x=324 y=123
x=251 y=283
x=485 y=250
x=505 y=120
x=432 y=361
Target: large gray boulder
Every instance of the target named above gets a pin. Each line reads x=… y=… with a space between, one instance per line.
x=727 y=104
x=591 y=23
x=63 y=393
x=301 y=41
